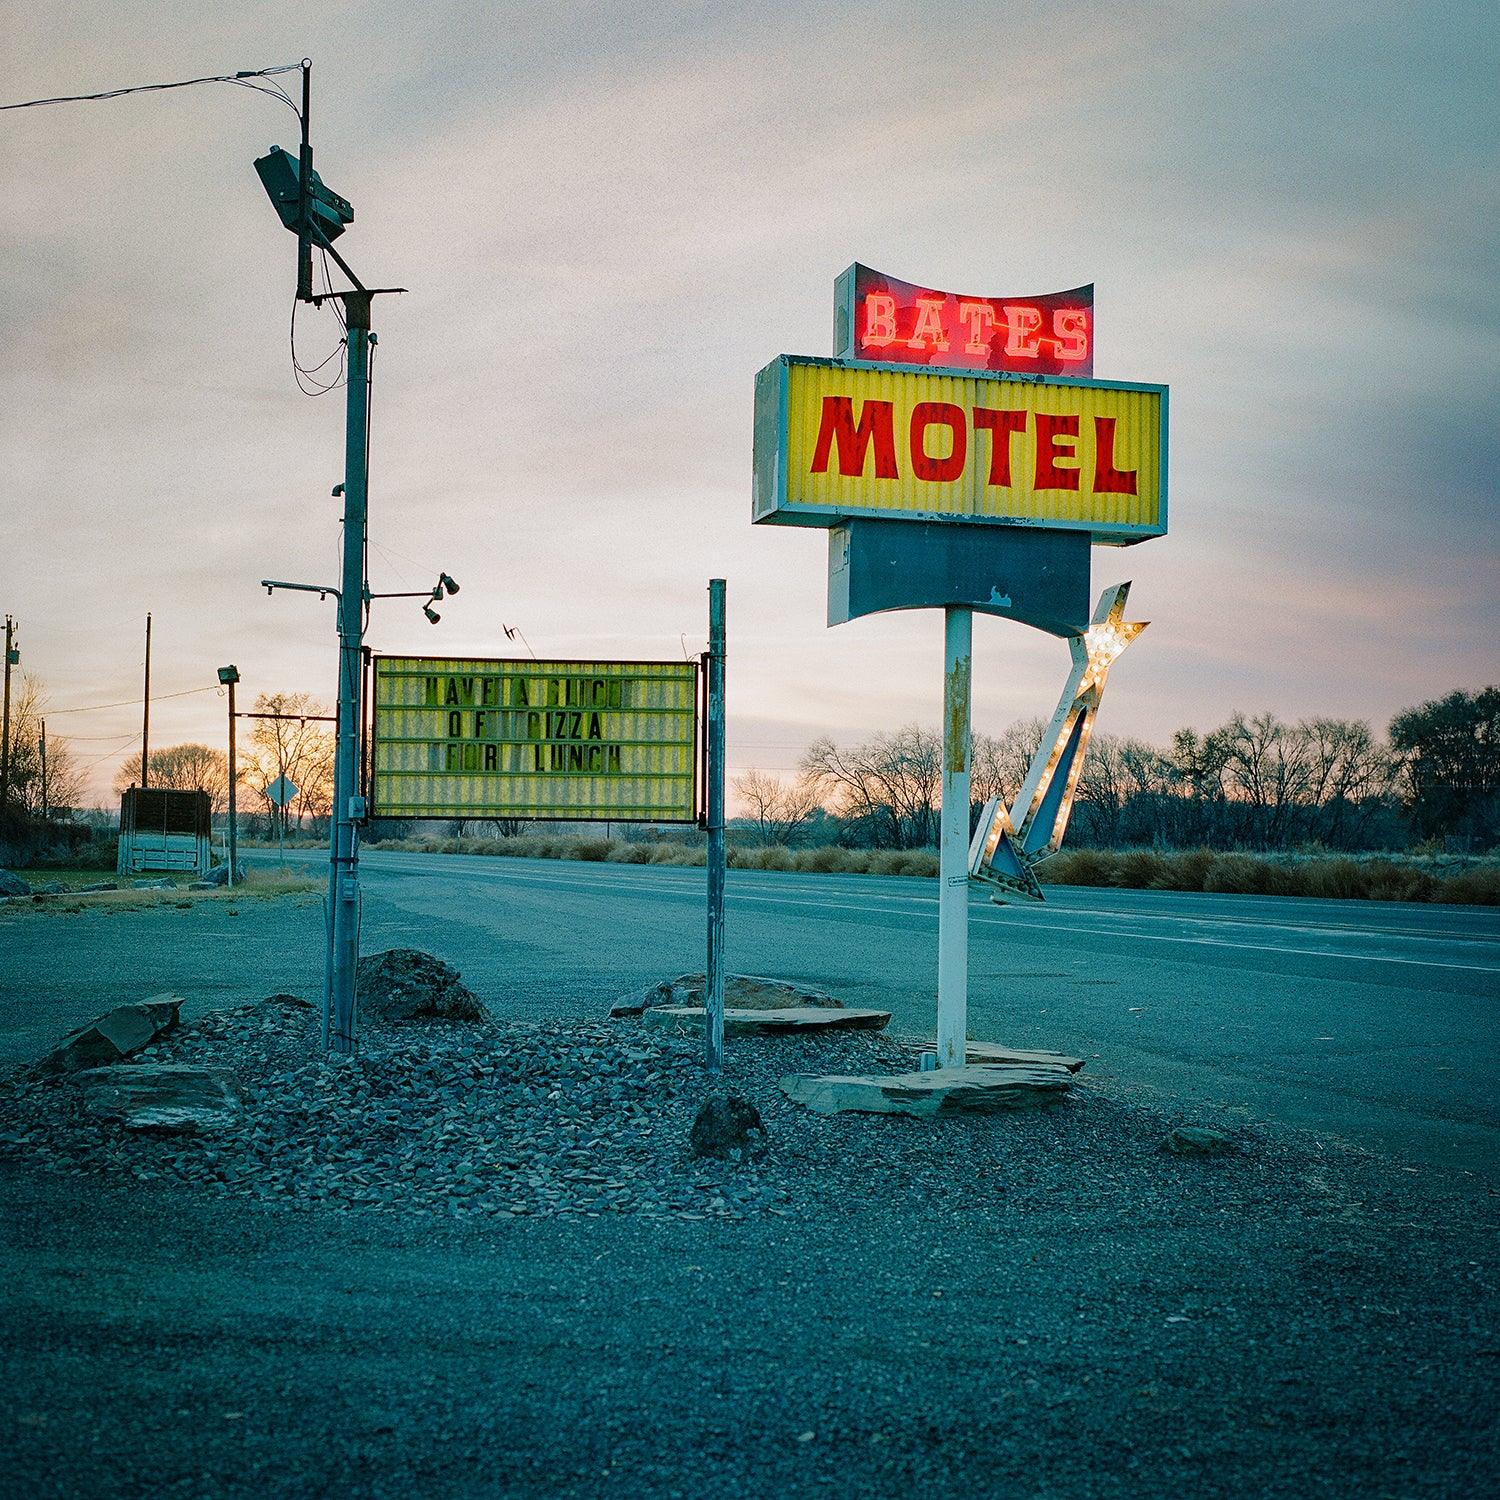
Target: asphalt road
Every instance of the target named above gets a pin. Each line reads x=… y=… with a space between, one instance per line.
x=1371 y=1021
x=1097 y=1319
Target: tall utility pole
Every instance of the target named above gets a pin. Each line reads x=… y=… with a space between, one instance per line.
x=318 y=216
x=146 y=712
x=343 y=853
x=229 y=676
x=714 y=808
x=11 y=657
x=41 y=745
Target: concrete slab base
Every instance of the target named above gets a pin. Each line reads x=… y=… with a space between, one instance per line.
x=983 y=1088
x=737 y=1022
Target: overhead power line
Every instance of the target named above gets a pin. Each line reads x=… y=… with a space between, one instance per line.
x=240 y=80
x=88 y=708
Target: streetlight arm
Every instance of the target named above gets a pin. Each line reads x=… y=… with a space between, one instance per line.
x=322 y=590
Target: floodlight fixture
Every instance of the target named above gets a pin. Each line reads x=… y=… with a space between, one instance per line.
x=231 y=673
x=432 y=615
x=328 y=213
x=446 y=581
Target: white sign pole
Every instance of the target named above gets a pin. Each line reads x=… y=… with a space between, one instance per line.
x=953 y=843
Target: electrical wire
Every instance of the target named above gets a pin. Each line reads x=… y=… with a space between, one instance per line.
x=304 y=374
x=88 y=708
x=93 y=760
x=240 y=80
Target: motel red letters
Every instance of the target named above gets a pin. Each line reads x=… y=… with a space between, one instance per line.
x=1057 y=461
x=838 y=428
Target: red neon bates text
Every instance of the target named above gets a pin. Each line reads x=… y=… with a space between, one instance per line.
x=897 y=323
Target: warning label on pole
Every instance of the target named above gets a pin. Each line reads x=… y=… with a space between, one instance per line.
x=560 y=740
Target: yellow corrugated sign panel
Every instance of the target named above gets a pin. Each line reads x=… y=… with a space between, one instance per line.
x=836 y=440
x=456 y=738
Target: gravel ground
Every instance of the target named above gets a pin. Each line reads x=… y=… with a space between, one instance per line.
x=587 y=1118
x=481 y=1261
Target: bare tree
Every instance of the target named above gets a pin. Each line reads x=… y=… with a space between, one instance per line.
x=889 y=786
x=296 y=746
x=1000 y=762
x=777 y=809
x=183 y=768
x=63 y=786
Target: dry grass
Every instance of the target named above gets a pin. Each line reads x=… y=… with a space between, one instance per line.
x=1339 y=878
x=825 y=860
x=265 y=881
x=262 y=883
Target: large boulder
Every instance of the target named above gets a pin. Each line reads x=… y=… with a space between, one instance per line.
x=727 y=1124
x=405 y=984
x=167 y=1098
x=13 y=885
x=741 y=992
x=114 y=1036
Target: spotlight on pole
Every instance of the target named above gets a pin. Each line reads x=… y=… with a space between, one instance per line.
x=445 y=581
x=432 y=615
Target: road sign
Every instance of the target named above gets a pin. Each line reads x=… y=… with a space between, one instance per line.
x=835 y=440
x=281 y=791
x=595 y=741
x=877 y=317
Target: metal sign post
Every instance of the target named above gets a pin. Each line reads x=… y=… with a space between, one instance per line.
x=953 y=843
x=280 y=794
x=714 y=804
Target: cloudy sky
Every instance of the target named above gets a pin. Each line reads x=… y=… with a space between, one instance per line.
x=610 y=216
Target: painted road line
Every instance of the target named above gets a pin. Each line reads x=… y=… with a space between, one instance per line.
x=685 y=885
x=690 y=878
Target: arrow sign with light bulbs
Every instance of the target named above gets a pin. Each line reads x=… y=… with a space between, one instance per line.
x=1008 y=843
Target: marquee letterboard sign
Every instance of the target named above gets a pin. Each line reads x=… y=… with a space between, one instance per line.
x=465 y=738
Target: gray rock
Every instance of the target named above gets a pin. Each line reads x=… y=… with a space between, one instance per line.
x=727 y=1124
x=50 y=888
x=404 y=984
x=293 y=1002
x=153 y=885
x=99 y=885
x=117 y=1034
x=13 y=885
x=169 y=1098
x=769 y=1022
x=972 y=1089
x=1197 y=1140
x=993 y=1052
x=219 y=875
x=741 y=991
x=203 y=885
